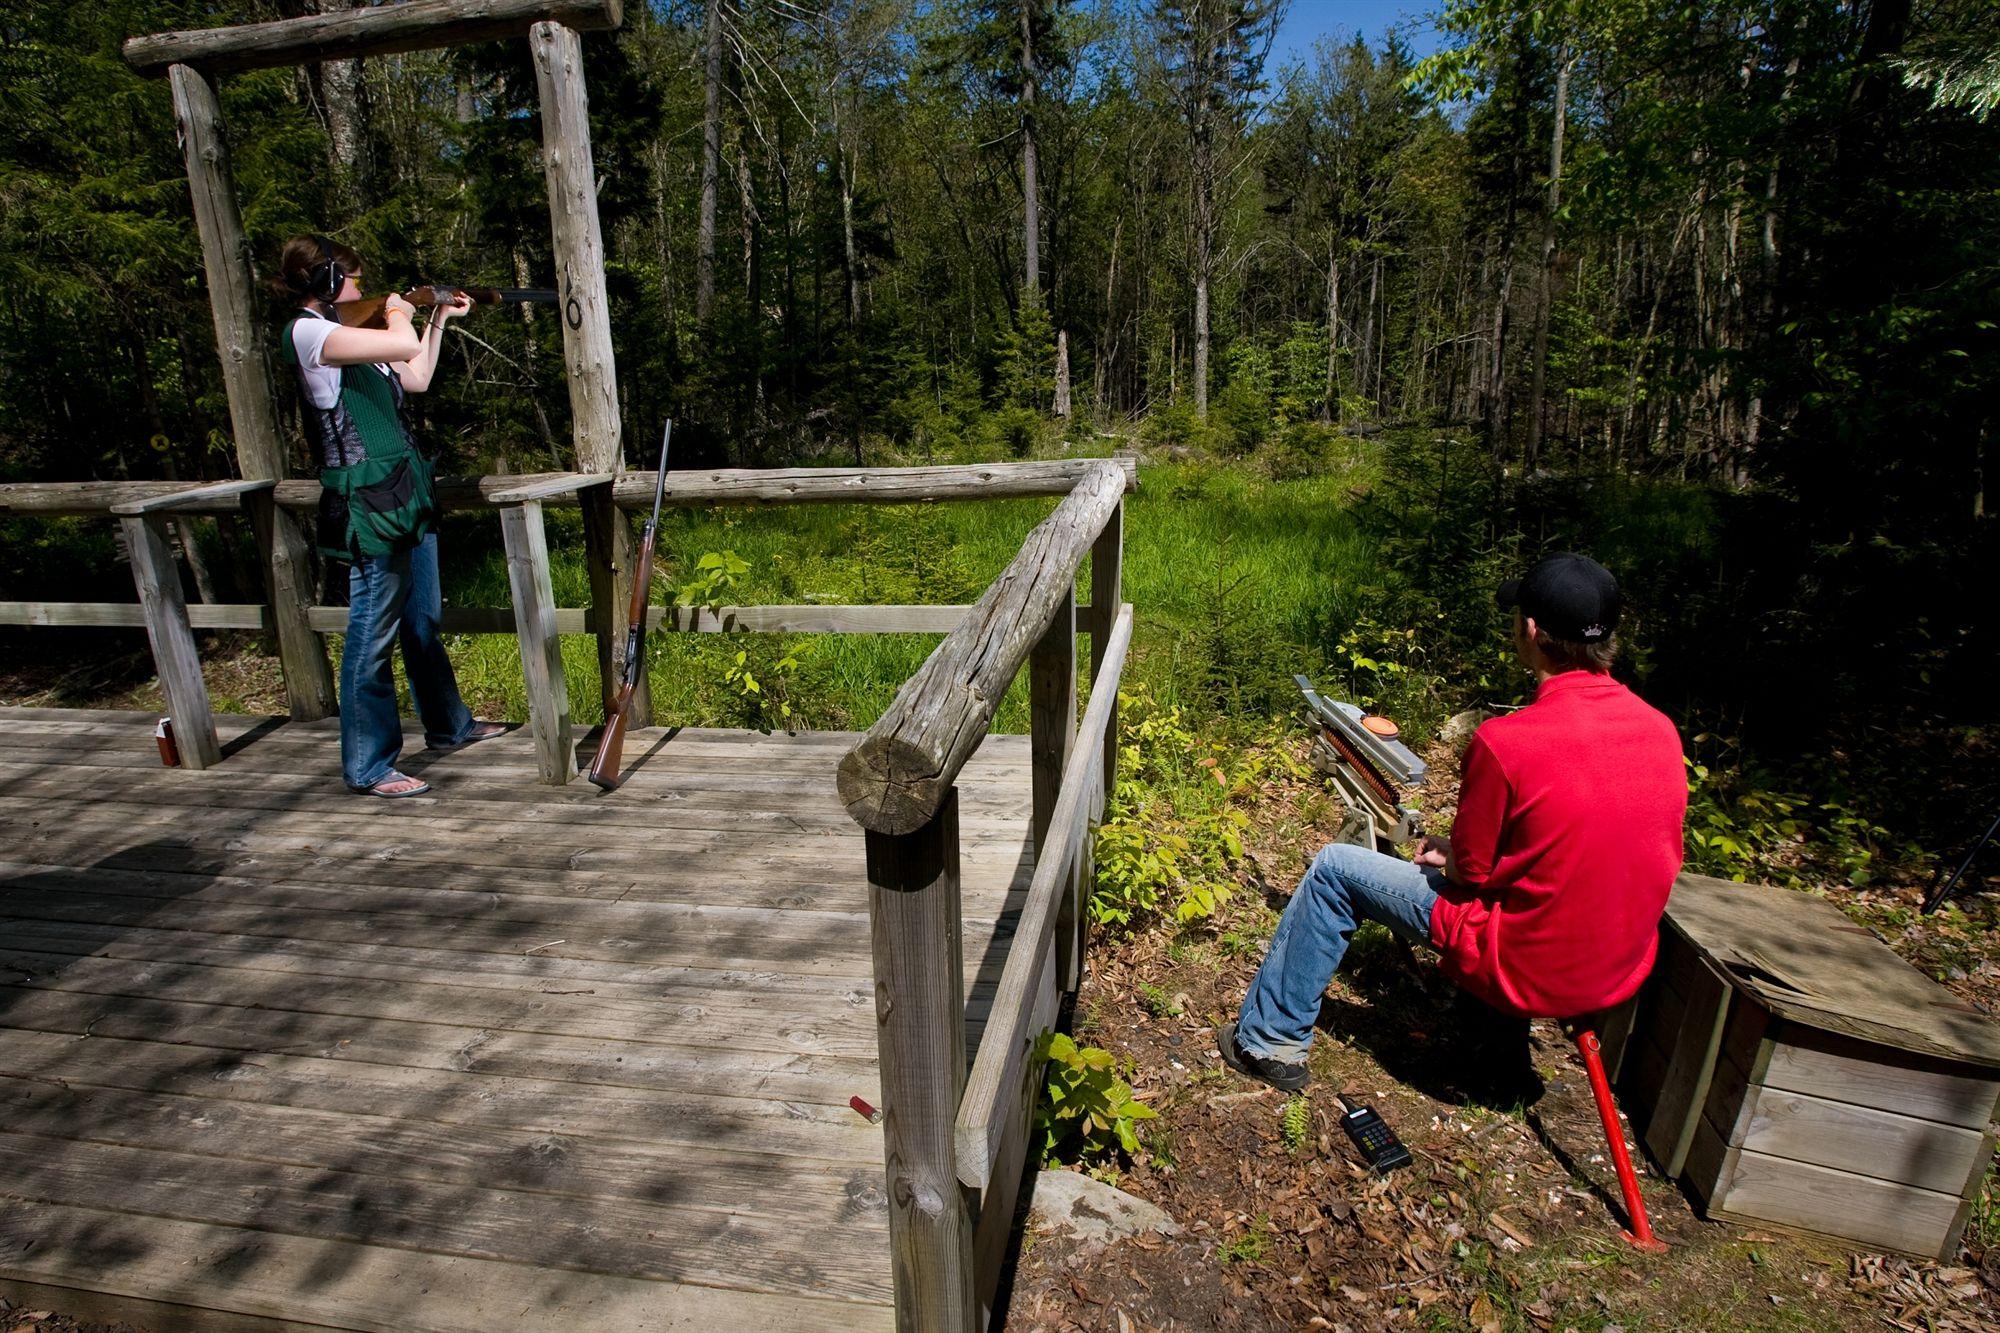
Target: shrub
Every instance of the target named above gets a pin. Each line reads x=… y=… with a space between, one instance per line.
x=1087 y=1112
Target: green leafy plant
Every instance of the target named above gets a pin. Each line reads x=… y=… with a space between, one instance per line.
x=1087 y=1112
x=1296 y=1123
x=1174 y=831
x=715 y=573
x=1250 y=1247
x=1158 y=1003
x=764 y=700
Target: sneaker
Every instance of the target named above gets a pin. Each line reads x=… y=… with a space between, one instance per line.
x=1285 y=1076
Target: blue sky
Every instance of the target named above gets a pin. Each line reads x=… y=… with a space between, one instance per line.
x=1306 y=21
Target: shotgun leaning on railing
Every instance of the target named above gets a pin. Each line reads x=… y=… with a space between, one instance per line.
x=618 y=709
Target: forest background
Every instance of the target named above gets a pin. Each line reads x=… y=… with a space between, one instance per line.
x=1705 y=287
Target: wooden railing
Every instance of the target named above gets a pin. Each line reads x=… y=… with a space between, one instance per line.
x=955 y=1146
x=144 y=507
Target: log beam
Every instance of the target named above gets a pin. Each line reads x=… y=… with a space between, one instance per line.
x=893 y=780
x=375 y=30
x=174 y=653
x=253 y=414
x=634 y=490
x=587 y=353
x=913 y=912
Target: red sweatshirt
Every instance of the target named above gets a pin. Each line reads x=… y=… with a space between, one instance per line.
x=1567 y=841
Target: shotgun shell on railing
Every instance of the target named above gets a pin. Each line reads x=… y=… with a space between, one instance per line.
x=865 y=1111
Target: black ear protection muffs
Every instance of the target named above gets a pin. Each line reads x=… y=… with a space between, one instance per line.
x=325 y=279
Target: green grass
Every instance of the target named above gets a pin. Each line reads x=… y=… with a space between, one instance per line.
x=1235 y=582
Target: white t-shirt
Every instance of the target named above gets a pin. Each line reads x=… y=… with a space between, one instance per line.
x=321 y=381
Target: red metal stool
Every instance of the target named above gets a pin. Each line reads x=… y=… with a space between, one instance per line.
x=1641 y=1234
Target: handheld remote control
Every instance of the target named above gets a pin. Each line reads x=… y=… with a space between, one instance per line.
x=1379 y=1146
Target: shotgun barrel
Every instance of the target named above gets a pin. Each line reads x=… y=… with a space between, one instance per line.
x=367 y=313
x=618 y=710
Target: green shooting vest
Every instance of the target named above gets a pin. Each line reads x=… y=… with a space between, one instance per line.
x=377 y=492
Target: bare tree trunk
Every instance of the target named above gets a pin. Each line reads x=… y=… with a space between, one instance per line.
x=1031 y=222
x=711 y=169
x=1062 y=374
x=753 y=294
x=1365 y=358
x=1496 y=380
x=1545 y=306
x=1333 y=327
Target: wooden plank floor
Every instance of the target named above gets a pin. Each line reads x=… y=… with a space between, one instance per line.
x=505 y=1055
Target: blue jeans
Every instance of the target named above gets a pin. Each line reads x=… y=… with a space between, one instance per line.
x=392 y=599
x=1344 y=887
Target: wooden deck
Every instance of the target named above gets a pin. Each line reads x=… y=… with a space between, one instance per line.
x=502 y=1056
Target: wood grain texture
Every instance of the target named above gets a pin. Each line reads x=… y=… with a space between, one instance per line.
x=1052 y=734
x=675 y=619
x=175 y=656
x=1107 y=596
x=446 y=1049
x=585 y=310
x=1841 y=1135
x=131 y=615
x=1760 y=1190
x=242 y=343
x=541 y=649
x=1803 y=960
x=993 y=1091
x=894 y=780
x=551 y=487
x=190 y=496
x=913 y=908
x=1690 y=1067
x=342 y=34
x=634 y=490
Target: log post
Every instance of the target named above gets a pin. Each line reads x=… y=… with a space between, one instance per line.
x=253 y=417
x=1107 y=595
x=167 y=628
x=541 y=648
x=913 y=911
x=586 y=320
x=1052 y=731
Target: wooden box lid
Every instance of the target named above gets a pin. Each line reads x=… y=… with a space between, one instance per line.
x=1801 y=958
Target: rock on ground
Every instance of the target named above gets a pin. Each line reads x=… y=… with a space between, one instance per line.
x=1069 y=1203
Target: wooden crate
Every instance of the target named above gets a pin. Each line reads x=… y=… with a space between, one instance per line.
x=1790 y=1070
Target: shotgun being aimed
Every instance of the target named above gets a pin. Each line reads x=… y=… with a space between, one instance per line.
x=618 y=709
x=366 y=313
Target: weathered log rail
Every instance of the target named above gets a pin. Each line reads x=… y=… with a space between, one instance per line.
x=342 y=34
x=955 y=1146
x=632 y=490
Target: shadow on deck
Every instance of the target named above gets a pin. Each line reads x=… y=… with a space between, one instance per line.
x=272 y=1051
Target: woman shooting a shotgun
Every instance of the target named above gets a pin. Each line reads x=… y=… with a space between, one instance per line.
x=377 y=508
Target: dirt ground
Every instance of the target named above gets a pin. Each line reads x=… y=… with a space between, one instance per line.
x=1508 y=1218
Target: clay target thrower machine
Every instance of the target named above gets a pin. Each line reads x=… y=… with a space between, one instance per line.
x=1376 y=775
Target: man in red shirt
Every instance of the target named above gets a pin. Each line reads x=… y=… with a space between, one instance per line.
x=1545 y=900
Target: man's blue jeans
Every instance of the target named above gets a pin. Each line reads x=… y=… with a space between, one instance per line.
x=392 y=599
x=1344 y=887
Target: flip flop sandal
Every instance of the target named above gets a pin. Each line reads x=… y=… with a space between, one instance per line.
x=478 y=734
x=394 y=777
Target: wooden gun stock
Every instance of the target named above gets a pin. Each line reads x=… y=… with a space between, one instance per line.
x=618 y=711
x=611 y=746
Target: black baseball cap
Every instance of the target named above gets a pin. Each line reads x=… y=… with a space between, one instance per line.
x=1570 y=596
